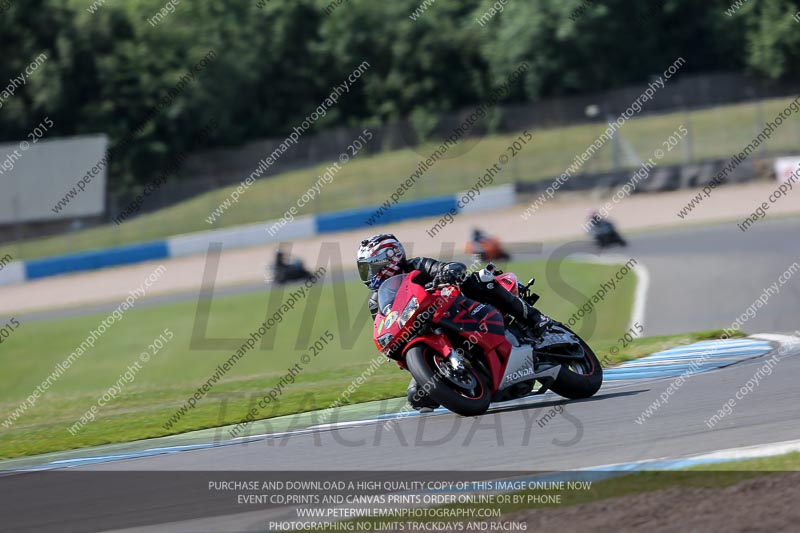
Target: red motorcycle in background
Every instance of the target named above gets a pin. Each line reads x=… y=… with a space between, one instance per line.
x=486 y=247
x=465 y=354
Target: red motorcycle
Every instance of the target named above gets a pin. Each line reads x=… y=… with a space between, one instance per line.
x=488 y=249
x=465 y=354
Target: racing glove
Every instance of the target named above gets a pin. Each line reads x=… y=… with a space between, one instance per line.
x=453 y=273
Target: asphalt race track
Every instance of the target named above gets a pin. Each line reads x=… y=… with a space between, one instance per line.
x=705 y=277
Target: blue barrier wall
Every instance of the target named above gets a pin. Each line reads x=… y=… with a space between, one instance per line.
x=250 y=235
x=357 y=218
x=122 y=255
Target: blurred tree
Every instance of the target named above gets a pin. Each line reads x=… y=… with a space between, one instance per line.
x=431 y=63
x=607 y=44
x=275 y=62
x=773 y=40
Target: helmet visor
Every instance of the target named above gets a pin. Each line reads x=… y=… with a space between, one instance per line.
x=371 y=266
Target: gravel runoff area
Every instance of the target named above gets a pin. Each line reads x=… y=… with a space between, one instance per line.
x=767 y=503
x=560 y=219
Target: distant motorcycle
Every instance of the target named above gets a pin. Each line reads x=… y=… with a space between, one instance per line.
x=284 y=271
x=605 y=234
x=487 y=248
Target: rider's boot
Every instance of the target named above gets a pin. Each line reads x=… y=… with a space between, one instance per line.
x=418 y=399
x=536 y=321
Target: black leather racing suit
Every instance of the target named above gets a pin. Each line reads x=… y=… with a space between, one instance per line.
x=474 y=289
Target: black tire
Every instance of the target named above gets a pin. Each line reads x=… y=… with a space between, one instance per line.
x=421 y=362
x=579 y=380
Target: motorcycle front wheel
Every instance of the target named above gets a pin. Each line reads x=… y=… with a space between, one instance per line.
x=464 y=392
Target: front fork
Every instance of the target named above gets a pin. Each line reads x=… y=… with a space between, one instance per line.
x=442 y=345
x=439 y=342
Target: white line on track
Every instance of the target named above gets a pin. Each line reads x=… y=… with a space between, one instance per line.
x=640 y=301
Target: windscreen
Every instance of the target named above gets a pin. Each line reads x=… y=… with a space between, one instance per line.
x=388 y=291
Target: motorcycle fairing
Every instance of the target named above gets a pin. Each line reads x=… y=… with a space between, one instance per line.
x=386 y=327
x=468 y=317
x=521 y=367
x=509 y=282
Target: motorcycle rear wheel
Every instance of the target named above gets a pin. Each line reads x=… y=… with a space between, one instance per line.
x=579 y=379
x=466 y=394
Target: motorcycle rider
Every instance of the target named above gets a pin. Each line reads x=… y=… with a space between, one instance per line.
x=383 y=256
x=594 y=219
x=603 y=230
x=280 y=258
x=285 y=270
x=477 y=241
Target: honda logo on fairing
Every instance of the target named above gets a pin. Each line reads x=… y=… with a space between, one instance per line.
x=519 y=374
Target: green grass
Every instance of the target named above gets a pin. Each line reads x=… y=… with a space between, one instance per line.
x=789 y=462
x=176 y=371
x=716 y=133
